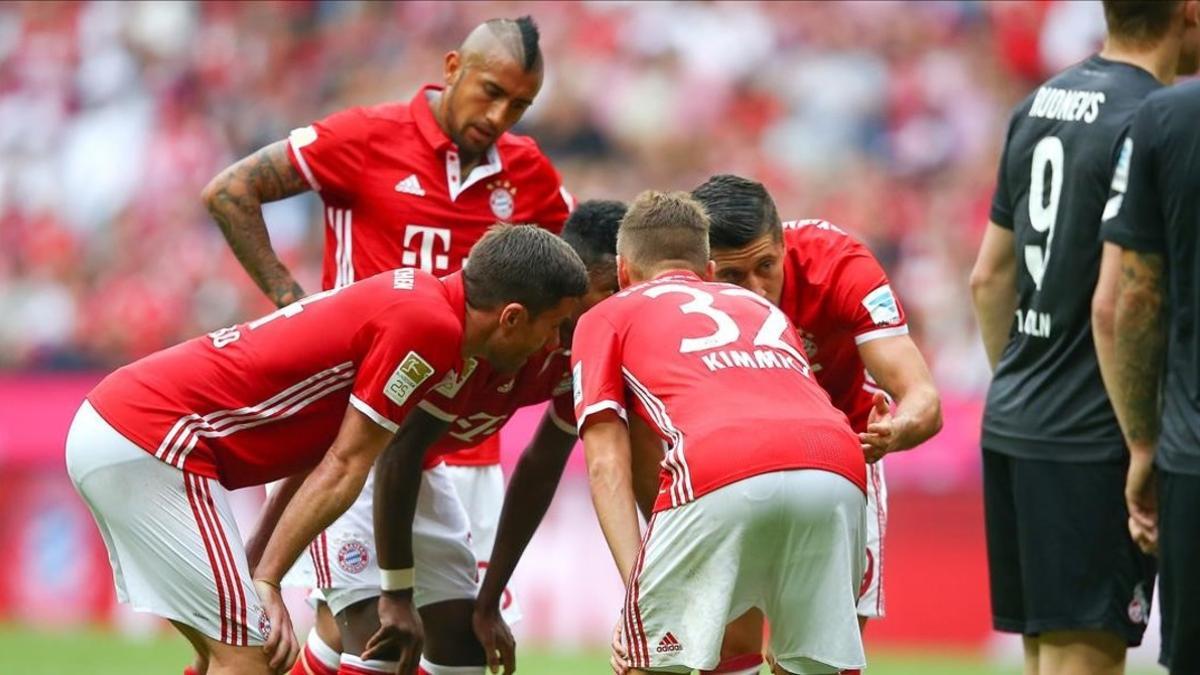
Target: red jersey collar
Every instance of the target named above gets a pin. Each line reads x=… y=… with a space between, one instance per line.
x=426 y=123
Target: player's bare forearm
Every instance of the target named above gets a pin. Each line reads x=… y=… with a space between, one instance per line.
x=277 y=501
x=397 y=484
x=235 y=198
x=1104 y=308
x=897 y=366
x=324 y=495
x=994 y=290
x=530 y=491
x=1139 y=347
x=606 y=444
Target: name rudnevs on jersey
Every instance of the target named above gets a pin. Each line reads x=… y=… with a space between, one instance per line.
x=1067 y=105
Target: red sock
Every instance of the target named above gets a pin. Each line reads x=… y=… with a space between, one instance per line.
x=190 y=671
x=737 y=665
x=852 y=672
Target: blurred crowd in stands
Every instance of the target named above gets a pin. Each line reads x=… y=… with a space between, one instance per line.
x=883 y=117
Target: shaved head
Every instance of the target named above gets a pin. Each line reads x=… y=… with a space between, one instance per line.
x=491 y=80
x=517 y=38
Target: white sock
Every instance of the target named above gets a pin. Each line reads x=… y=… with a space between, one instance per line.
x=434 y=669
x=356 y=665
x=324 y=653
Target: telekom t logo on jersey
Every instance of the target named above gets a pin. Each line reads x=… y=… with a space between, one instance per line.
x=426 y=247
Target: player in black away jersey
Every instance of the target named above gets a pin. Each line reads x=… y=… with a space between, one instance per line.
x=1155 y=224
x=1064 y=571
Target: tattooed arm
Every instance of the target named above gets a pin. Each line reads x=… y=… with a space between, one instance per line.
x=1138 y=354
x=235 y=198
x=1140 y=346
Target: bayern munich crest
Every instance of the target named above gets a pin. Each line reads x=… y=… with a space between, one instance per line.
x=353 y=557
x=264 y=624
x=502 y=199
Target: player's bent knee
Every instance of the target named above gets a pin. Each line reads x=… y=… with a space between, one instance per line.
x=326 y=627
x=226 y=659
x=743 y=635
x=356 y=624
x=449 y=637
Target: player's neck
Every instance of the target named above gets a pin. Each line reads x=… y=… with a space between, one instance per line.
x=478 y=326
x=1161 y=60
x=467 y=161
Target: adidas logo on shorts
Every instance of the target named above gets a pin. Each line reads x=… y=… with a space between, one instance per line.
x=668 y=644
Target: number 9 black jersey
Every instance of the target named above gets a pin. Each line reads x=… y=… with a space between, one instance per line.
x=1047 y=400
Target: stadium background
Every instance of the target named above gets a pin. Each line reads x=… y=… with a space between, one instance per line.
x=883 y=117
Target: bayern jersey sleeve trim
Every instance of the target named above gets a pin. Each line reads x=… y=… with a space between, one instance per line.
x=298 y=139
x=601 y=406
x=436 y=411
x=565 y=426
x=365 y=408
x=891 y=331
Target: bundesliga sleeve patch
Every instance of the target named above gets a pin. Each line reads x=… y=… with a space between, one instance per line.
x=577 y=380
x=882 y=306
x=409 y=375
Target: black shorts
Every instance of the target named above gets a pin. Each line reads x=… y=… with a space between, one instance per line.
x=1059 y=552
x=1179 y=560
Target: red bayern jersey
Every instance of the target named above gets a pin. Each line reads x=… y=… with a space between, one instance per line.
x=837 y=295
x=263 y=400
x=718 y=372
x=478 y=403
x=395 y=196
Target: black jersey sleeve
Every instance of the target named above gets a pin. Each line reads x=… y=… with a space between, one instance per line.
x=1133 y=217
x=1002 y=203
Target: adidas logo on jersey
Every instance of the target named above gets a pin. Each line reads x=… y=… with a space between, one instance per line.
x=668 y=644
x=411 y=186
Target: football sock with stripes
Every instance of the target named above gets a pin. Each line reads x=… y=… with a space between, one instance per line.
x=428 y=668
x=745 y=664
x=317 y=658
x=352 y=665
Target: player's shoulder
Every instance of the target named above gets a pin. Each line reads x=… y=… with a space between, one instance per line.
x=522 y=154
x=1091 y=92
x=818 y=238
x=387 y=113
x=1180 y=101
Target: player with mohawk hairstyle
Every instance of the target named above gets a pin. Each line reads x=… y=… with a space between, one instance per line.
x=405 y=184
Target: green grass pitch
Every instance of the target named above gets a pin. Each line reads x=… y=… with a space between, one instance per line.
x=94 y=652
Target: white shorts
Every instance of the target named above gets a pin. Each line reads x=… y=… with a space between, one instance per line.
x=789 y=543
x=870 y=601
x=171 y=537
x=346 y=566
x=481 y=491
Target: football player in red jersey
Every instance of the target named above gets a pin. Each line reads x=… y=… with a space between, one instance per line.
x=838 y=297
x=407 y=185
x=314 y=392
x=762 y=490
x=380 y=630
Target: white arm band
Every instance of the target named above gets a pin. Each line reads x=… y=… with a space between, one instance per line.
x=396 y=580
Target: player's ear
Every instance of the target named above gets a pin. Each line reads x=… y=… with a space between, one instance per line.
x=710 y=270
x=452 y=67
x=512 y=314
x=1191 y=13
x=623 y=273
